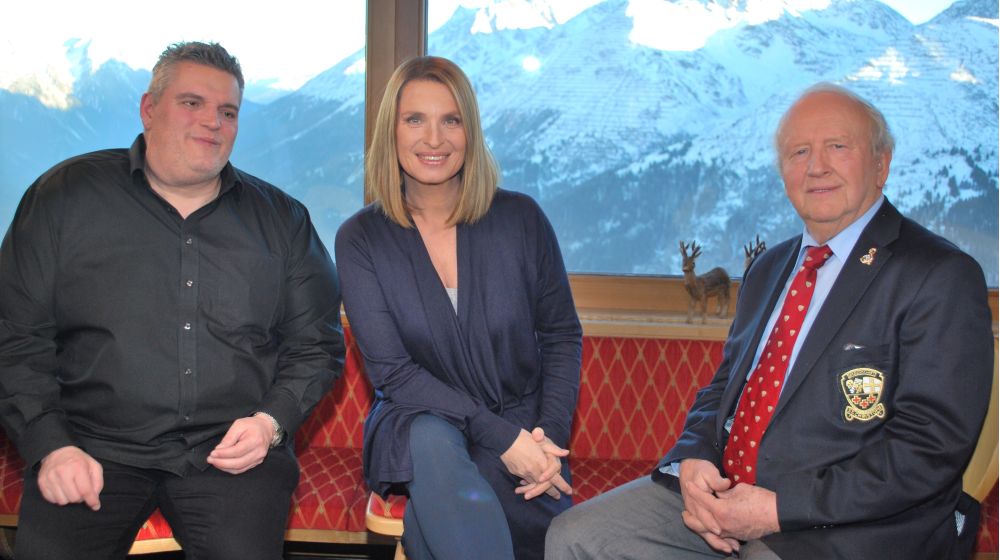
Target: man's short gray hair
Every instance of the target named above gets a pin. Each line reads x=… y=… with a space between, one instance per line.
x=207 y=54
x=881 y=140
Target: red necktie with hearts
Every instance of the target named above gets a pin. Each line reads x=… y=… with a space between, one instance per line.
x=760 y=396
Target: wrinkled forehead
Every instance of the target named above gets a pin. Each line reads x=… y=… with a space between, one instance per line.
x=824 y=114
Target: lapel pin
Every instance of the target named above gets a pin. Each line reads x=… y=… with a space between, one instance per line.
x=868 y=259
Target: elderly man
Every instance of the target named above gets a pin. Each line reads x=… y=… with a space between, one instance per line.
x=852 y=389
x=166 y=323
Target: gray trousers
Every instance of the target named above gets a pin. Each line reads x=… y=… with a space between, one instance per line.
x=640 y=520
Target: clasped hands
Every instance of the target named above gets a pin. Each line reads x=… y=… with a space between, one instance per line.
x=537 y=460
x=69 y=475
x=721 y=515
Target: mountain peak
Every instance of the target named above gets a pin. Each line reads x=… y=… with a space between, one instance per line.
x=53 y=86
x=500 y=15
x=514 y=14
x=982 y=9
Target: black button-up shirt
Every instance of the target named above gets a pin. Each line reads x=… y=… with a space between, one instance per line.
x=141 y=336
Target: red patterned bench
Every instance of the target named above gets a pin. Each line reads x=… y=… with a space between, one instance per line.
x=634 y=395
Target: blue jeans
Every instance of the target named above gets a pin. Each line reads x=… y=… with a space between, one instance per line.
x=453 y=511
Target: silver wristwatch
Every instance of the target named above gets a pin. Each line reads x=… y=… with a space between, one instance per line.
x=279 y=434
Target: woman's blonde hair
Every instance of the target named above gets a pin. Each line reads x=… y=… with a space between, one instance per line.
x=383 y=176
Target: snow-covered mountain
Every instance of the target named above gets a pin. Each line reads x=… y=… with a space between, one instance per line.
x=631 y=148
x=630 y=137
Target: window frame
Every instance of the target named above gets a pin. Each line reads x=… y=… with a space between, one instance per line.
x=609 y=305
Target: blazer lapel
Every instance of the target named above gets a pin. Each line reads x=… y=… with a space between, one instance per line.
x=771 y=288
x=852 y=283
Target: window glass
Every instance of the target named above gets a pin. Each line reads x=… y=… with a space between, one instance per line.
x=639 y=124
x=73 y=84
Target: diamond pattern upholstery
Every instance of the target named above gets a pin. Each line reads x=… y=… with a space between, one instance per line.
x=331 y=494
x=593 y=476
x=392 y=508
x=337 y=419
x=634 y=394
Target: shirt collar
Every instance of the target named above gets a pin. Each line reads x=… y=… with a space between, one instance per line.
x=842 y=243
x=137 y=164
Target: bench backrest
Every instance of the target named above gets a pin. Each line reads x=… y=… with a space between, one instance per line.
x=338 y=417
x=634 y=395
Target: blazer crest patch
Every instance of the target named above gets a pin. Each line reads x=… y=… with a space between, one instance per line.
x=862 y=388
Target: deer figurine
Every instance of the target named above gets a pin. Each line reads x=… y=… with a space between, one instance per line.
x=715 y=282
x=752 y=250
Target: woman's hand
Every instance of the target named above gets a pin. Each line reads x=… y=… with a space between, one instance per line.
x=526 y=459
x=552 y=488
x=554 y=484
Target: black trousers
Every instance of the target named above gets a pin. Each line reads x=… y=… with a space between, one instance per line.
x=213 y=514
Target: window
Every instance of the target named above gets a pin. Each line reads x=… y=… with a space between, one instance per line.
x=638 y=124
x=73 y=85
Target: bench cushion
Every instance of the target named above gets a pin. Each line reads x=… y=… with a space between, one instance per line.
x=596 y=476
x=331 y=494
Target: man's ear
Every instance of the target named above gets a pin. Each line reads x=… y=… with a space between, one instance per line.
x=146 y=110
x=882 y=162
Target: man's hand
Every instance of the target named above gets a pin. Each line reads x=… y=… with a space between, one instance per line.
x=700 y=481
x=530 y=461
x=746 y=512
x=68 y=475
x=554 y=485
x=244 y=446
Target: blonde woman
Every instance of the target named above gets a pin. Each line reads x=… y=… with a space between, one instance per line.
x=457 y=295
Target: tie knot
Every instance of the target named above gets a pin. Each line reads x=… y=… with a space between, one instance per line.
x=817 y=256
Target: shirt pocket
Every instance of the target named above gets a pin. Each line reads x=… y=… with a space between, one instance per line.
x=244 y=292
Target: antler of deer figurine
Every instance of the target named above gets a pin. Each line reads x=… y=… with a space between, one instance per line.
x=715 y=283
x=752 y=250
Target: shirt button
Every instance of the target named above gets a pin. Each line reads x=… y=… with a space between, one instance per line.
x=188 y=241
x=187 y=418
x=189 y=283
x=187 y=371
x=187 y=326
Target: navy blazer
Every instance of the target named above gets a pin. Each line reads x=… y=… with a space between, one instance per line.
x=864 y=479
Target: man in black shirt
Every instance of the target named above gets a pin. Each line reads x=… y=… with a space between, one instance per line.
x=166 y=323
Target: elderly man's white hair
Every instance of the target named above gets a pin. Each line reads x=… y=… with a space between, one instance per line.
x=881 y=140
